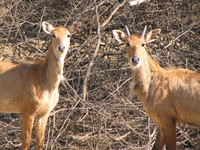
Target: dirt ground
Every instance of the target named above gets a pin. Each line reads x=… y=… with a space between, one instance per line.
x=94 y=111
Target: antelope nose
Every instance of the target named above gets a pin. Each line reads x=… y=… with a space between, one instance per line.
x=135 y=59
x=61 y=48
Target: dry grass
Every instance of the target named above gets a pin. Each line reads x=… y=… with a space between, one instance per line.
x=94 y=111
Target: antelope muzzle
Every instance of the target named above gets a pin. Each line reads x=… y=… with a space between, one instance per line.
x=135 y=60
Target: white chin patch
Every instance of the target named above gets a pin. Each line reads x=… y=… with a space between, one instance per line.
x=60 y=55
x=135 y=66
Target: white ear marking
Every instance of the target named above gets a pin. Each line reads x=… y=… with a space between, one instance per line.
x=47 y=27
x=75 y=27
x=119 y=36
x=152 y=35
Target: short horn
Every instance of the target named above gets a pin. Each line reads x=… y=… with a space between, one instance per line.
x=144 y=31
x=127 y=30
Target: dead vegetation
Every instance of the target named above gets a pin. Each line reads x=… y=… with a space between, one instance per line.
x=94 y=111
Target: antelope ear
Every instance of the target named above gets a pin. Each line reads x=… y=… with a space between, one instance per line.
x=119 y=36
x=47 y=27
x=75 y=27
x=152 y=35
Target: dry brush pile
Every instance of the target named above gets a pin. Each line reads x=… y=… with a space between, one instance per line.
x=94 y=111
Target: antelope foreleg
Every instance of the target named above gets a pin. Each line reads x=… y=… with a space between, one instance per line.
x=27 y=125
x=160 y=141
x=40 y=131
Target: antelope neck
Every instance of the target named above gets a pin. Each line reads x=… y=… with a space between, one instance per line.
x=143 y=76
x=54 y=70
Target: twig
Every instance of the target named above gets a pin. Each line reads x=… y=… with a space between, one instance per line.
x=171 y=42
x=36 y=49
x=119 y=87
x=111 y=15
x=189 y=30
x=93 y=57
x=41 y=20
x=119 y=137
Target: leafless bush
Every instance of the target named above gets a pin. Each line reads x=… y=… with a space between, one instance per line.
x=94 y=111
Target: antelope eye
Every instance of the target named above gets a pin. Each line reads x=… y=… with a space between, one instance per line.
x=128 y=44
x=142 y=45
x=68 y=35
x=54 y=36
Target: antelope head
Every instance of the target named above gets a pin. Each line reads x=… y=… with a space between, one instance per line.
x=61 y=38
x=135 y=51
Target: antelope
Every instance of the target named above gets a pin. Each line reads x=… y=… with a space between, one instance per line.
x=168 y=95
x=32 y=89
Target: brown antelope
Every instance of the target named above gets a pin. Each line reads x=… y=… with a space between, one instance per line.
x=32 y=89
x=168 y=95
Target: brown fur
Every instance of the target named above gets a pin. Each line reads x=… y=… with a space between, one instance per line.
x=32 y=89
x=168 y=95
